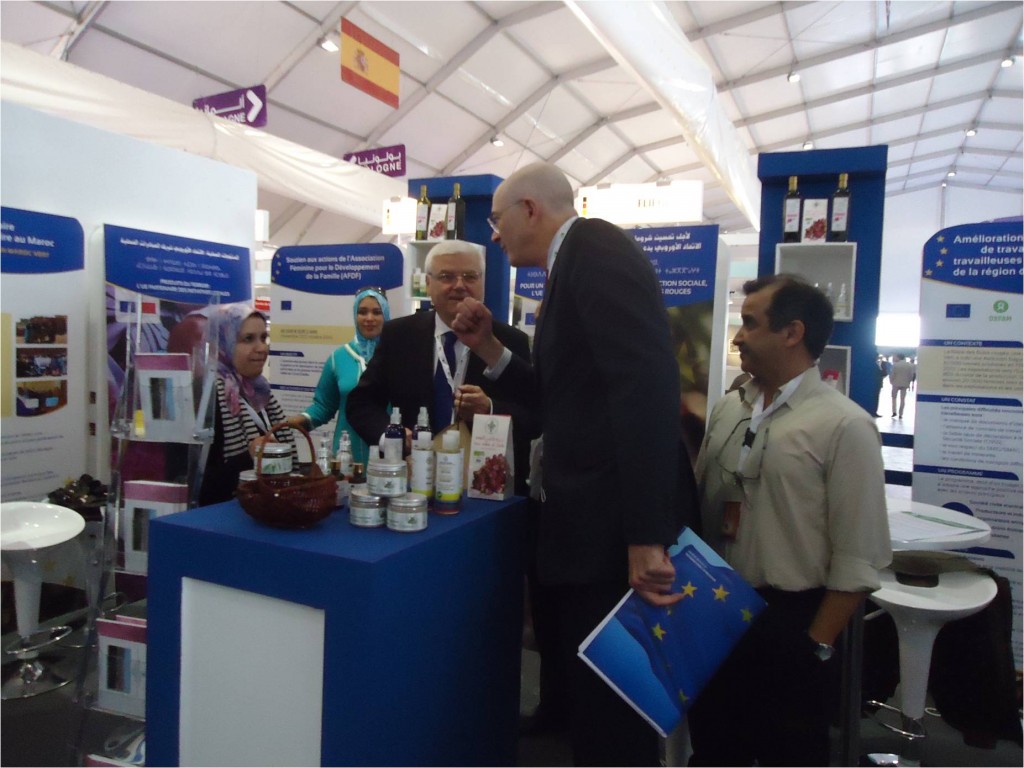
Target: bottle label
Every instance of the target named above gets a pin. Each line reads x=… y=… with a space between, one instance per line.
x=451 y=217
x=840 y=207
x=448 y=487
x=406 y=522
x=792 y=216
x=422 y=478
x=422 y=215
x=391 y=448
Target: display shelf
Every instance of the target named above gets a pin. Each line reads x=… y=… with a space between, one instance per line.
x=823 y=264
x=834 y=365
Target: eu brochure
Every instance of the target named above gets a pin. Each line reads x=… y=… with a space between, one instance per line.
x=658 y=659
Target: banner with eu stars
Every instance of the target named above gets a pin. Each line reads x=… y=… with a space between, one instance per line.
x=658 y=659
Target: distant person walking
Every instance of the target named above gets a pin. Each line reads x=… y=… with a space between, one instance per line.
x=900 y=376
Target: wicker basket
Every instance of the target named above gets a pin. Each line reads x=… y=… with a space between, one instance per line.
x=288 y=501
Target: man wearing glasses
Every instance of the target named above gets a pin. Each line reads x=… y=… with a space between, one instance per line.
x=793 y=497
x=419 y=362
x=616 y=481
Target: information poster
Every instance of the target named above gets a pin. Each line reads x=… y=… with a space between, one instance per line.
x=161 y=288
x=42 y=337
x=312 y=295
x=685 y=259
x=968 y=441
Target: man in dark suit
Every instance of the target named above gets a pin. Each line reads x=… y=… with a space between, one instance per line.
x=617 y=485
x=412 y=368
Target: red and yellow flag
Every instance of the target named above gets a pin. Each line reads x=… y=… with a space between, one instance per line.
x=368 y=64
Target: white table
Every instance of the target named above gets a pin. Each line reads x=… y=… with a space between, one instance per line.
x=918 y=526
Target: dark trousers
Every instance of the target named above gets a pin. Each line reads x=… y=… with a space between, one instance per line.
x=772 y=700
x=604 y=730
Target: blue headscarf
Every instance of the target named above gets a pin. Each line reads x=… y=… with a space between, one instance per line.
x=364 y=346
x=228 y=321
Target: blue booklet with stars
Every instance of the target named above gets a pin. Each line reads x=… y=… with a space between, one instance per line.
x=660 y=658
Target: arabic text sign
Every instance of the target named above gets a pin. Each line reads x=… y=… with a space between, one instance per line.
x=387 y=160
x=245 y=105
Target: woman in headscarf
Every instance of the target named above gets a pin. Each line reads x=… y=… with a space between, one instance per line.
x=343 y=368
x=246 y=408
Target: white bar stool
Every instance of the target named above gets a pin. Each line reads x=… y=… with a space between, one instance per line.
x=919 y=612
x=27 y=528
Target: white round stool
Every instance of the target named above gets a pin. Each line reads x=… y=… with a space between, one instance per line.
x=27 y=528
x=919 y=612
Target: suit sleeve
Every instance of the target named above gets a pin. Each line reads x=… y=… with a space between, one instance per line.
x=514 y=392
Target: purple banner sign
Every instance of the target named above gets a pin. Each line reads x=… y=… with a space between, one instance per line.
x=246 y=105
x=387 y=160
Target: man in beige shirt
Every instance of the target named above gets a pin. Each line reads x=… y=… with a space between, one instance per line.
x=793 y=497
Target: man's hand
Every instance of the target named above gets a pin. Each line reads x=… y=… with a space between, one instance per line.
x=651 y=574
x=471 y=400
x=473 y=324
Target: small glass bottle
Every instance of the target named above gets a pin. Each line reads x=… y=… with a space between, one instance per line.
x=448 y=482
x=393 y=440
x=791 y=214
x=358 y=484
x=323 y=455
x=842 y=308
x=343 y=468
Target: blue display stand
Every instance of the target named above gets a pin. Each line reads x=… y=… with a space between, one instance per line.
x=422 y=631
x=477 y=191
x=818 y=172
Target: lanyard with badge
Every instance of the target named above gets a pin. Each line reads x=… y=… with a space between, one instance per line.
x=733 y=510
x=259 y=418
x=454 y=380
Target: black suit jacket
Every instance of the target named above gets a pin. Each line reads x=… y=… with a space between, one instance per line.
x=607 y=381
x=401 y=373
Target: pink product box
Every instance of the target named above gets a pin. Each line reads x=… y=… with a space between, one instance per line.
x=122 y=665
x=144 y=500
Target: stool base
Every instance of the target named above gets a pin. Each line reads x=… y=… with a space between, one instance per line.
x=30 y=678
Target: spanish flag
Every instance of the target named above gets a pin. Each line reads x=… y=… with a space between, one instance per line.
x=368 y=64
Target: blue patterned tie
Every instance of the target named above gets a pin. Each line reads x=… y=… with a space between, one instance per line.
x=442 y=389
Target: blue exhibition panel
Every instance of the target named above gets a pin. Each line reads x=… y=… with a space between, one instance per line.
x=818 y=171
x=422 y=630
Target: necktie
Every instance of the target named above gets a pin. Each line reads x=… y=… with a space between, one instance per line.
x=442 y=389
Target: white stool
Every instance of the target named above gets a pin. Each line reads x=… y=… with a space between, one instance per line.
x=919 y=612
x=27 y=528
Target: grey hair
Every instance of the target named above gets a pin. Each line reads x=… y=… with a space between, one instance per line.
x=446 y=247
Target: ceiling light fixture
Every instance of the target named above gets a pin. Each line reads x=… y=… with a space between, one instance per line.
x=1007 y=62
x=808 y=144
x=971 y=132
x=793 y=77
x=497 y=142
x=943 y=185
x=327 y=44
x=951 y=174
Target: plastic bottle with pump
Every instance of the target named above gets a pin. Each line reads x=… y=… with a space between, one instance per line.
x=393 y=440
x=448 y=483
x=343 y=467
x=421 y=477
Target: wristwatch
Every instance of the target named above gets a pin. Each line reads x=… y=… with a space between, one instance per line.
x=823 y=651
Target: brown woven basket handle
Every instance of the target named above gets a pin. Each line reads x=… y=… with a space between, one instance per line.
x=265 y=438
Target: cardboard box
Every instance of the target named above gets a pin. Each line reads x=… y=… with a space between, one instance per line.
x=437 y=224
x=491 y=473
x=815 y=221
x=122 y=667
x=144 y=500
x=165 y=392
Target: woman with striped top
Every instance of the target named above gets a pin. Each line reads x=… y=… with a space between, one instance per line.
x=246 y=408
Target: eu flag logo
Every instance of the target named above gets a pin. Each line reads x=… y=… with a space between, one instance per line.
x=660 y=658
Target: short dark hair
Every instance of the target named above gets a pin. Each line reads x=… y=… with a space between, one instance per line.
x=796 y=299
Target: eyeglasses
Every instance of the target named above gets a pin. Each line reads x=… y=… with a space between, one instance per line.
x=494 y=218
x=736 y=475
x=451 y=278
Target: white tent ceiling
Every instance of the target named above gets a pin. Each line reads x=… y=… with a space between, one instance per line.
x=913 y=75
